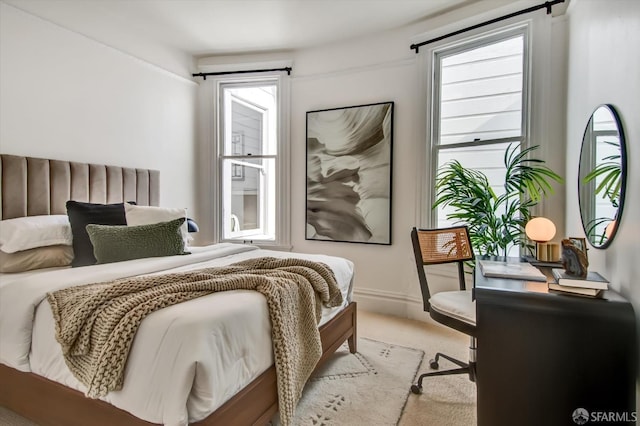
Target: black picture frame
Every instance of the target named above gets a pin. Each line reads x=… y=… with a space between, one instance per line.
x=349 y=169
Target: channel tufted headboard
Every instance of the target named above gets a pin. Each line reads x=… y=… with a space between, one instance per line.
x=36 y=186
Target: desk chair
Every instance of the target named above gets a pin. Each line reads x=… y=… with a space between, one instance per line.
x=455 y=309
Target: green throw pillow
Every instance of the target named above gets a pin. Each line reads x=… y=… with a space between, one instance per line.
x=114 y=243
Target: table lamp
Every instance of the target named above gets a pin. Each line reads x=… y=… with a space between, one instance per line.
x=541 y=230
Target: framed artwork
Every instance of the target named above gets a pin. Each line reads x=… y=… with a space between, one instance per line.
x=349 y=161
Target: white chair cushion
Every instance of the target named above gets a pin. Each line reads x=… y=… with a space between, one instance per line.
x=455 y=304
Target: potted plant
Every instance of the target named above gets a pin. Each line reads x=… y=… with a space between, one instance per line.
x=495 y=221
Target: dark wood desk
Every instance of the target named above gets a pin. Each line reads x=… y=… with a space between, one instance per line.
x=541 y=355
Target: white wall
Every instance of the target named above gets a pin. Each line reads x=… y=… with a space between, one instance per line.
x=65 y=96
x=604 y=67
x=383 y=271
x=377 y=69
x=374 y=69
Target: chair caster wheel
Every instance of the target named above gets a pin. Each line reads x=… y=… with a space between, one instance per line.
x=416 y=389
x=434 y=364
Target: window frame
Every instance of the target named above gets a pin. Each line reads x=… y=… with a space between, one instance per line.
x=435 y=56
x=281 y=157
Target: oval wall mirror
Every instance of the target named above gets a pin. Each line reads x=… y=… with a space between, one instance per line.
x=602 y=176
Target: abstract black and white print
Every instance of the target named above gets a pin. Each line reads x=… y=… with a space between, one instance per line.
x=349 y=174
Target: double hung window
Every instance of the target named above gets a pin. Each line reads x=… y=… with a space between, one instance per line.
x=479 y=106
x=251 y=169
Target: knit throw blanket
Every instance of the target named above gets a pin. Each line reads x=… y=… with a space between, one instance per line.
x=96 y=323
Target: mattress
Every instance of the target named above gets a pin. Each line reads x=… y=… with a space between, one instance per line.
x=186 y=360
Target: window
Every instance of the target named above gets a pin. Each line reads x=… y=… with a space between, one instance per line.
x=251 y=192
x=479 y=106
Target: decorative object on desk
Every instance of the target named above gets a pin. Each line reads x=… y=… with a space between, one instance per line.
x=592 y=280
x=580 y=291
x=602 y=176
x=574 y=259
x=580 y=243
x=541 y=230
x=495 y=221
x=348 y=193
x=511 y=270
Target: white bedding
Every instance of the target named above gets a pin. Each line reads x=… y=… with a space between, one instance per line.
x=186 y=360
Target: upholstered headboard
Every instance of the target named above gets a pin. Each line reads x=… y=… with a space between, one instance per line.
x=36 y=186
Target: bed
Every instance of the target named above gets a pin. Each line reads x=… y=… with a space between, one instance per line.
x=169 y=379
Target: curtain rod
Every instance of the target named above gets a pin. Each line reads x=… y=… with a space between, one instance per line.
x=205 y=74
x=544 y=5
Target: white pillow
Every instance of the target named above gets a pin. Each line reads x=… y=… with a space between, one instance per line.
x=24 y=233
x=147 y=215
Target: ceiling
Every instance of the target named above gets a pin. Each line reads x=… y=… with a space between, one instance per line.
x=221 y=27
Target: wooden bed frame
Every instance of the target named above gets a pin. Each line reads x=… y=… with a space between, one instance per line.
x=49 y=403
x=33 y=186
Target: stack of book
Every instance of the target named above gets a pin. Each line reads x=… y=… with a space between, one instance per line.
x=593 y=285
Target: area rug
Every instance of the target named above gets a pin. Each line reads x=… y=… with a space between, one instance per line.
x=369 y=387
x=9 y=418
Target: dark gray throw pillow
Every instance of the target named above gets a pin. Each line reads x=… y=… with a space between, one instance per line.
x=80 y=215
x=118 y=243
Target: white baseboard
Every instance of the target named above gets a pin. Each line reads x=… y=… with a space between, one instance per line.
x=390 y=303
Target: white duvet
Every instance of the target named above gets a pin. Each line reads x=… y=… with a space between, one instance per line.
x=186 y=360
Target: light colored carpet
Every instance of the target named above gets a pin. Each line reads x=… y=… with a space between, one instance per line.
x=369 y=387
x=445 y=401
x=9 y=418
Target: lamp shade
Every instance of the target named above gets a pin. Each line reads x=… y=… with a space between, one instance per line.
x=540 y=229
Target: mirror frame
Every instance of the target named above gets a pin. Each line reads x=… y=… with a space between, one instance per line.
x=623 y=168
